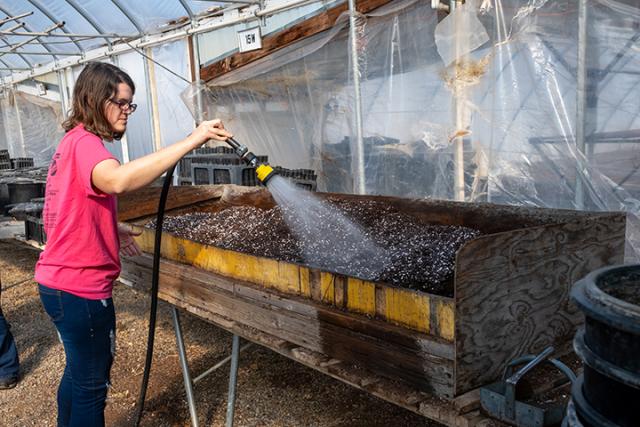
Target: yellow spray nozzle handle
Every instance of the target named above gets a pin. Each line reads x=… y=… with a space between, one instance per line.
x=264 y=172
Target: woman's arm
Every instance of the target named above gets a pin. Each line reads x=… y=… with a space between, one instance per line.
x=112 y=178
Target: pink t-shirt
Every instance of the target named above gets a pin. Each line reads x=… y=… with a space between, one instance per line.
x=80 y=221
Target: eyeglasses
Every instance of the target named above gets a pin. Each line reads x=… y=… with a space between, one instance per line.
x=125 y=106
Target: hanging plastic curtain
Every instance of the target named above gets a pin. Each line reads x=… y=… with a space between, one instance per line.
x=481 y=105
x=20 y=111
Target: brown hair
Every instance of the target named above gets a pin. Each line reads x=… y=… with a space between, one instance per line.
x=97 y=83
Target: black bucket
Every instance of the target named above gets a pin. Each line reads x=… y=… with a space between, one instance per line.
x=609 y=345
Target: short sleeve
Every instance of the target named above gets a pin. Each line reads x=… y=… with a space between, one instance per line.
x=90 y=151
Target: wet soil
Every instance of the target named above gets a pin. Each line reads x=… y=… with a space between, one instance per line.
x=410 y=253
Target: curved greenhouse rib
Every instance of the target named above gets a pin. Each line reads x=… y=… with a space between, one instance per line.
x=88 y=18
x=128 y=15
x=186 y=7
x=26 y=27
x=53 y=19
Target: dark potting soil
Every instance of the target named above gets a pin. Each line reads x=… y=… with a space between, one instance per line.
x=411 y=254
x=624 y=285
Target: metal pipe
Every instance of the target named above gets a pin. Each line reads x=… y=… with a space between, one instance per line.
x=65 y=35
x=186 y=376
x=581 y=101
x=283 y=8
x=218 y=365
x=10 y=52
x=52 y=18
x=88 y=18
x=19 y=122
x=126 y=13
x=48 y=30
x=458 y=144
x=198 y=80
x=355 y=70
x=233 y=380
x=15 y=27
x=186 y=7
x=26 y=27
x=6 y=65
x=13 y=68
x=25 y=60
x=148 y=83
x=62 y=91
x=250 y=2
x=155 y=109
x=209 y=24
x=13 y=18
x=124 y=142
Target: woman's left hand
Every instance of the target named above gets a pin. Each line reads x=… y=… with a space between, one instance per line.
x=128 y=246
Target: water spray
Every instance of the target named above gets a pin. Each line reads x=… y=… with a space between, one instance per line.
x=264 y=173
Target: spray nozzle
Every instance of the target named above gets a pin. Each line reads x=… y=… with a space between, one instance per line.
x=264 y=171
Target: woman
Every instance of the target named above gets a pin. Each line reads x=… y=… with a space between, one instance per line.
x=77 y=269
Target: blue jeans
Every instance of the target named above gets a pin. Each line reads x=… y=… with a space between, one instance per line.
x=87 y=330
x=9 y=365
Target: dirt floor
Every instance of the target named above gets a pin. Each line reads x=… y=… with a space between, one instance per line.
x=272 y=390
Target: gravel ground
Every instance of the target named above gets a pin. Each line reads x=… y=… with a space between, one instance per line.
x=272 y=390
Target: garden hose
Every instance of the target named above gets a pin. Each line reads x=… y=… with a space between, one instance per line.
x=155 y=278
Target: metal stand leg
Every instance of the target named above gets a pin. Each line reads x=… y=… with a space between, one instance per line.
x=233 y=379
x=188 y=385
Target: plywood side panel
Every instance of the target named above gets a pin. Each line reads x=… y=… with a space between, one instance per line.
x=512 y=291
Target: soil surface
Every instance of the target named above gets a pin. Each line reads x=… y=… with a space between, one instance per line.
x=272 y=390
x=406 y=252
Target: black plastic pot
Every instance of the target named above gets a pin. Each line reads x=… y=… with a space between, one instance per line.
x=609 y=345
x=584 y=415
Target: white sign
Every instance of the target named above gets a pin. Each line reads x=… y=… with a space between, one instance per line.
x=250 y=39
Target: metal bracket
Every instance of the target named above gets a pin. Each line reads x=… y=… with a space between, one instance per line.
x=499 y=399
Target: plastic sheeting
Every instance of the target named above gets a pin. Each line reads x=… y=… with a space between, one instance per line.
x=139 y=127
x=175 y=119
x=30 y=126
x=508 y=103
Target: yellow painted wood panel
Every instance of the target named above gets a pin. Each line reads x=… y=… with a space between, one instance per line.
x=288 y=278
x=361 y=296
x=446 y=319
x=407 y=308
x=305 y=285
x=327 y=288
x=269 y=274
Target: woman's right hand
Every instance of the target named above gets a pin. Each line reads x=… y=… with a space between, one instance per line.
x=209 y=129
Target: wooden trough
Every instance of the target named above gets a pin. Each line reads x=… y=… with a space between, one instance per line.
x=511 y=289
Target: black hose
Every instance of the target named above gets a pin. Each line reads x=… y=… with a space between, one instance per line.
x=154 y=293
